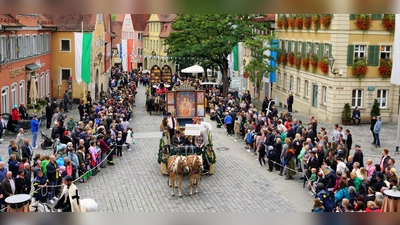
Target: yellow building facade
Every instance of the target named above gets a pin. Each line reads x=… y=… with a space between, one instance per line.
x=63 y=68
x=154 y=50
x=323 y=93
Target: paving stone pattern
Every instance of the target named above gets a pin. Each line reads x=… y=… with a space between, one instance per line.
x=135 y=183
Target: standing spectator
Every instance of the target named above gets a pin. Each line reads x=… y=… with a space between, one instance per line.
x=20 y=138
x=49 y=115
x=370 y=168
x=384 y=160
x=52 y=175
x=2 y=127
x=373 y=122
x=15 y=116
x=358 y=156
x=13 y=165
x=3 y=172
x=20 y=181
x=39 y=184
x=377 y=130
x=23 y=112
x=104 y=149
x=8 y=186
x=290 y=102
x=356 y=116
x=228 y=121
x=27 y=151
x=67 y=101
x=35 y=129
x=81 y=110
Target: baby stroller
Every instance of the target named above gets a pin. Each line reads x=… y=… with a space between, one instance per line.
x=47 y=142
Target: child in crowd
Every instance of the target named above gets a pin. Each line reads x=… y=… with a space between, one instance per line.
x=82 y=170
x=119 y=142
x=249 y=140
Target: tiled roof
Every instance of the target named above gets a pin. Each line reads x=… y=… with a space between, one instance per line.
x=8 y=20
x=45 y=22
x=166 y=17
x=139 y=21
x=166 y=30
x=116 y=27
x=73 y=22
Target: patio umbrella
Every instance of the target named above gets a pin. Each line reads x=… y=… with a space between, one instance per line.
x=193 y=69
x=33 y=91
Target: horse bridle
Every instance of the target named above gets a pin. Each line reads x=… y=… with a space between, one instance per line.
x=196 y=159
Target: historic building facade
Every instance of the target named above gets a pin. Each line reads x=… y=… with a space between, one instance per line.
x=304 y=71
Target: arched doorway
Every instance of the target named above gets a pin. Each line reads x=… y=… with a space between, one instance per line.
x=96 y=85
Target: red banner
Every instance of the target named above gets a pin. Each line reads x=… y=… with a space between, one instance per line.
x=130 y=44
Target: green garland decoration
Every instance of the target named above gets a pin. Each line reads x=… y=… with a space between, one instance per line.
x=211 y=157
x=160 y=147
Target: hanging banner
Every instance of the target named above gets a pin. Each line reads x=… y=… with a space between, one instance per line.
x=272 y=62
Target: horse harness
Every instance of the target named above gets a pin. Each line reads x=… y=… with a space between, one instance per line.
x=191 y=166
x=170 y=168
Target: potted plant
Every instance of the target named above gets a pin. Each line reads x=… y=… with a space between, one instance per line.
x=279 y=22
x=298 y=22
x=363 y=21
x=323 y=65
x=278 y=58
x=290 y=58
x=291 y=21
x=297 y=61
x=359 y=68
x=306 y=62
x=316 y=20
x=285 y=22
x=346 y=114
x=314 y=62
x=385 y=68
x=284 y=59
x=388 y=22
x=326 y=20
x=307 y=21
x=375 y=110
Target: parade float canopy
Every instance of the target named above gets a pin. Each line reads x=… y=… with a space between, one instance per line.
x=193 y=69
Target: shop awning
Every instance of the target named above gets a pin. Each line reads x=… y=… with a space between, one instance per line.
x=32 y=67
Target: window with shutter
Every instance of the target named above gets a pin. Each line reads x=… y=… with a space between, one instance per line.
x=312 y=47
x=320 y=51
x=373 y=55
x=329 y=50
x=296 y=47
x=353 y=16
x=289 y=46
x=350 y=55
x=376 y=16
x=303 y=49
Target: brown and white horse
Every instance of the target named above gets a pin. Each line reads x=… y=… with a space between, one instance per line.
x=195 y=164
x=177 y=167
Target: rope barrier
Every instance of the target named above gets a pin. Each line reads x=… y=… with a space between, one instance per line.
x=77 y=179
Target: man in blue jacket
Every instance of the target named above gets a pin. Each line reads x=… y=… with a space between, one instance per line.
x=377 y=130
x=35 y=129
x=229 y=123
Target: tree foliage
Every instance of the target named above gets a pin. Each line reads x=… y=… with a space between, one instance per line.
x=212 y=37
x=259 y=66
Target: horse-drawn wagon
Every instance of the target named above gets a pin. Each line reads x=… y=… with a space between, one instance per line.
x=185 y=103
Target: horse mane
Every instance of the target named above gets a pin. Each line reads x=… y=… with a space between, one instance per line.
x=176 y=162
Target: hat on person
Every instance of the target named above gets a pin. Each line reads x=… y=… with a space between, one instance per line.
x=15 y=107
x=357 y=146
x=380 y=176
x=68 y=178
x=66 y=132
x=35 y=115
x=71 y=117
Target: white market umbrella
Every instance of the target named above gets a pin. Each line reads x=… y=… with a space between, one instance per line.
x=33 y=94
x=193 y=69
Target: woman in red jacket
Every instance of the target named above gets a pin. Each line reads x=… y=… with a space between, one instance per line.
x=15 y=116
x=104 y=149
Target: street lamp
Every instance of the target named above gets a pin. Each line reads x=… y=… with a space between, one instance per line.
x=244 y=62
x=331 y=63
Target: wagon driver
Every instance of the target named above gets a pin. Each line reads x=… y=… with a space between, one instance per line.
x=70 y=200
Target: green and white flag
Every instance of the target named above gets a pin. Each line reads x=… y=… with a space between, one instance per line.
x=83 y=47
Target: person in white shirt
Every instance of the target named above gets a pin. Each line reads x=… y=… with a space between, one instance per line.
x=356 y=169
x=171 y=123
x=335 y=133
x=204 y=129
x=341 y=166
